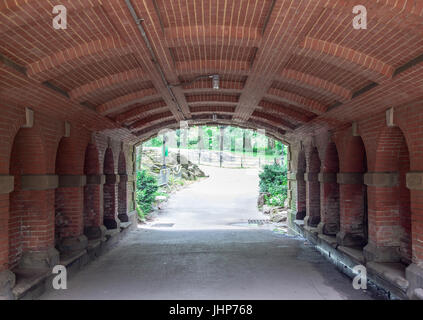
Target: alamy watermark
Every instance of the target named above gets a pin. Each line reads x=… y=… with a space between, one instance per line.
x=60 y=282
x=360 y=280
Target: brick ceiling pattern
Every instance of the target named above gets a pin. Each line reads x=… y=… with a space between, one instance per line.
x=290 y=67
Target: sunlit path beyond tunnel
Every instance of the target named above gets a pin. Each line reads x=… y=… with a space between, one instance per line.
x=209 y=253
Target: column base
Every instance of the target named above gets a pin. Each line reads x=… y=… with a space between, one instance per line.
x=311 y=221
x=300 y=215
x=123 y=217
x=95 y=233
x=72 y=245
x=375 y=253
x=7 y=282
x=329 y=229
x=45 y=259
x=111 y=224
x=414 y=275
x=347 y=239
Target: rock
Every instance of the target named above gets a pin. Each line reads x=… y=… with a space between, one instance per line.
x=161 y=199
x=261 y=199
x=278 y=218
x=276 y=210
x=266 y=209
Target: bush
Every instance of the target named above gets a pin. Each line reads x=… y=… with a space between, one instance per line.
x=146 y=192
x=273 y=180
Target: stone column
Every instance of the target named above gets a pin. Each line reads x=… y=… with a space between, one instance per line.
x=384 y=220
x=351 y=189
x=414 y=272
x=329 y=204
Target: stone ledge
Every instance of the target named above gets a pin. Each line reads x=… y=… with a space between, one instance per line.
x=39 y=182
x=7 y=184
x=415 y=180
x=349 y=178
x=381 y=179
x=72 y=181
x=327 y=177
x=353 y=253
x=311 y=177
x=390 y=276
x=96 y=179
x=112 y=178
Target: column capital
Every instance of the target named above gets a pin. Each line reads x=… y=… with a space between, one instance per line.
x=96 y=179
x=72 y=181
x=415 y=180
x=39 y=182
x=381 y=179
x=311 y=176
x=349 y=178
x=7 y=184
x=112 y=178
x=327 y=177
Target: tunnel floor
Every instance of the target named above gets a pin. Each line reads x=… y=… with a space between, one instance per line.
x=200 y=247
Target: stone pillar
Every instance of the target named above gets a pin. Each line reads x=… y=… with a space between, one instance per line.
x=312 y=218
x=351 y=189
x=384 y=219
x=110 y=190
x=7 y=278
x=69 y=218
x=93 y=199
x=329 y=204
x=414 y=272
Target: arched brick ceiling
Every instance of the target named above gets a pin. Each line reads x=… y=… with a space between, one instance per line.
x=291 y=67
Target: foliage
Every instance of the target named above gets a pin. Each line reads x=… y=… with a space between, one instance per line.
x=146 y=192
x=273 y=180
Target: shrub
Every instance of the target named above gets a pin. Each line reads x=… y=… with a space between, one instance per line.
x=273 y=180
x=146 y=191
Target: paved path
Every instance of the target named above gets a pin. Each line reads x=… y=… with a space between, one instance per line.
x=210 y=253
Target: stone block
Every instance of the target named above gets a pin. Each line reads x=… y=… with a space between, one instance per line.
x=376 y=253
x=39 y=182
x=96 y=179
x=6 y=184
x=72 y=181
x=415 y=180
x=349 y=178
x=381 y=179
x=43 y=259
x=7 y=282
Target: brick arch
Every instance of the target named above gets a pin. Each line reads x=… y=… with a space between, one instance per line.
x=31 y=210
x=389 y=202
x=312 y=218
x=329 y=191
x=352 y=60
x=353 y=191
x=83 y=54
x=68 y=197
x=109 y=190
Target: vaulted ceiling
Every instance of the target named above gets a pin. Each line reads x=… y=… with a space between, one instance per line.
x=290 y=67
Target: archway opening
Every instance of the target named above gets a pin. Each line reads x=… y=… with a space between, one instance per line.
x=313 y=190
x=330 y=214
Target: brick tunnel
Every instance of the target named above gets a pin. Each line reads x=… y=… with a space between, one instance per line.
x=79 y=93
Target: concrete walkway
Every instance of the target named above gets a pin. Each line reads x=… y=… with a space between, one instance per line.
x=211 y=253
